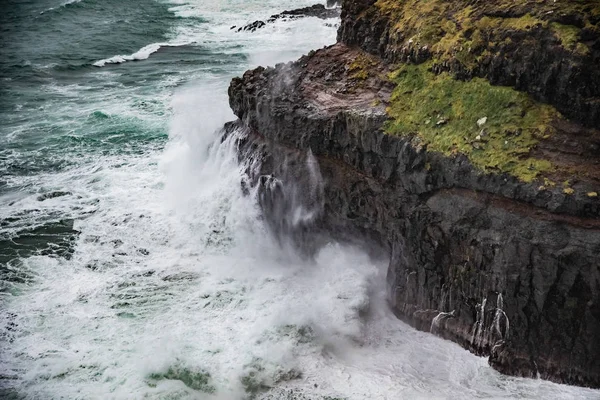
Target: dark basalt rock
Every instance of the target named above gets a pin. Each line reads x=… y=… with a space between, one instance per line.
x=317 y=10
x=251 y=27
x=507 y=269
x=503 y=268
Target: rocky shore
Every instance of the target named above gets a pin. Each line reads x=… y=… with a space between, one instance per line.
x=317 y=11
x=458 y=139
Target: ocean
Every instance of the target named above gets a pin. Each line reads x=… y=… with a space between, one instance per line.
x=133 y=266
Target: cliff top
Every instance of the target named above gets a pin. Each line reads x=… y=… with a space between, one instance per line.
x=513 y=85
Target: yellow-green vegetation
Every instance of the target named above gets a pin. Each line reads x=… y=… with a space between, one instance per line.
x=569 y=37
x=361 y=67
x=442 y=112
x=592 y=194
x=567 y=34
x=524 y=23
x=495 y=127
x=464 y=30
x=567 y=189
x=473 y=41
x=549 y=183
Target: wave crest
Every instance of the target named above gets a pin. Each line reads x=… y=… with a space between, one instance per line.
x=67 y=3
x=141 y=54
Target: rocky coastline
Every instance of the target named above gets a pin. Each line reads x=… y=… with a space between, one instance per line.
x=317 y=11
x=500 y=257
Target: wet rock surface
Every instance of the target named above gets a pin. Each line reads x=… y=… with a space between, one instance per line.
x=509 y=270
x=317 y=10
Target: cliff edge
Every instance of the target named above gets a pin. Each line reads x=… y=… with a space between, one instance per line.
x=459 y=139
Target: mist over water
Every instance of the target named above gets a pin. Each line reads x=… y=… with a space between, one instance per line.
x=131 y=263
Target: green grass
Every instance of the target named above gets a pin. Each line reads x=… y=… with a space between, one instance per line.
x=443 y=113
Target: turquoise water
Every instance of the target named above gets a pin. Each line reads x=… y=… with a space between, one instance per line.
x=131 y=265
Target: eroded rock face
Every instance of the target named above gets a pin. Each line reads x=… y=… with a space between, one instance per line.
x=507 y=269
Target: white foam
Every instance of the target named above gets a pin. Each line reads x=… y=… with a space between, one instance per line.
x=64 y=4
x=141 y=54
x=266 y=46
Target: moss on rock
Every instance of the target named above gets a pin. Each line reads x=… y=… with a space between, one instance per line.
x=461 y=27
x=361 y=66
x=495 y=127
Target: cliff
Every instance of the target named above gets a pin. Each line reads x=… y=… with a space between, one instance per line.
x=456 y=138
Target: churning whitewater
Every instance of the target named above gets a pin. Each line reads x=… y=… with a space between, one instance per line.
x=133 y=264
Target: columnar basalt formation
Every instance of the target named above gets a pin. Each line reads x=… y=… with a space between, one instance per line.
x=491 y=222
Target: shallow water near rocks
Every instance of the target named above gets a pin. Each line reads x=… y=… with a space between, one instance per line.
x=131 y=264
